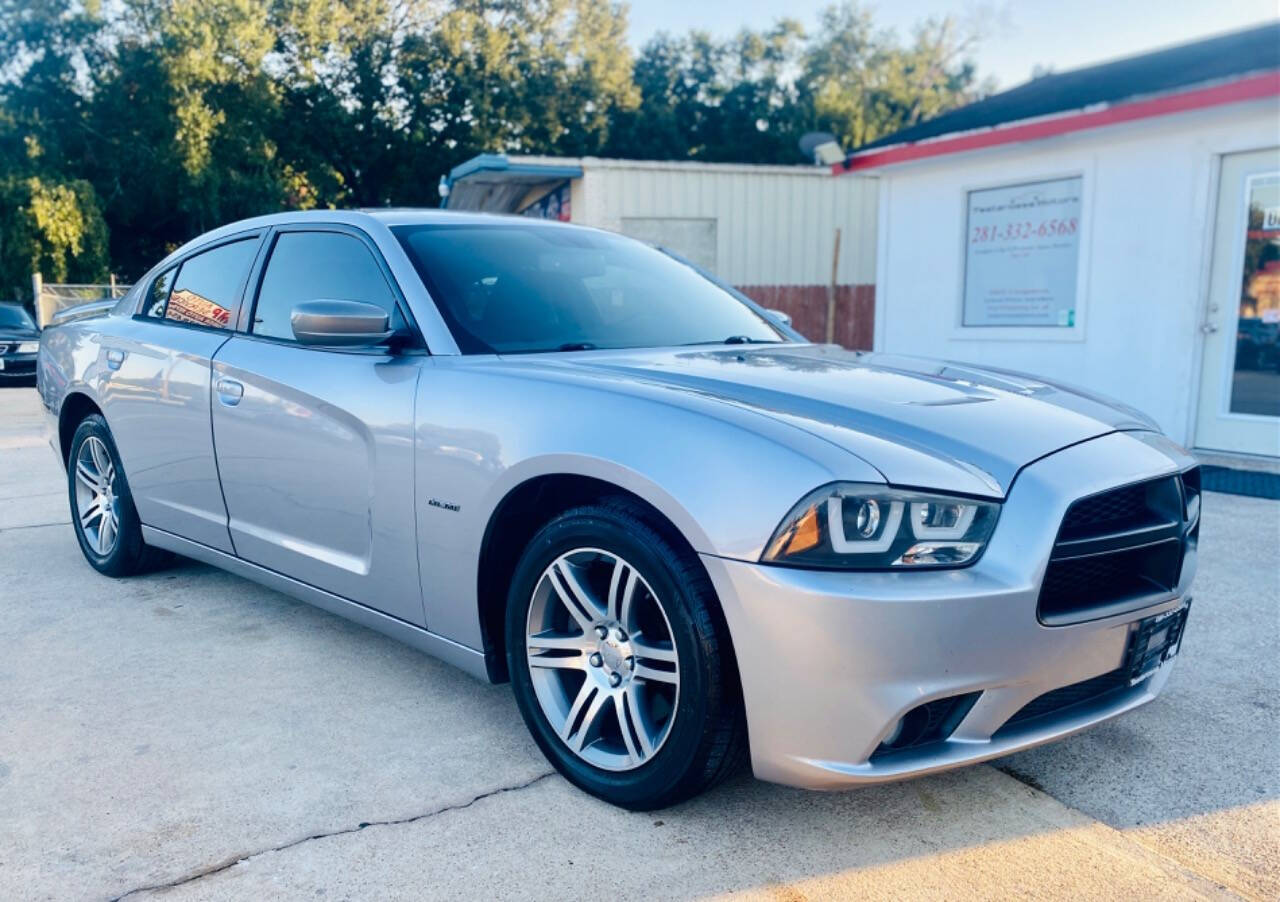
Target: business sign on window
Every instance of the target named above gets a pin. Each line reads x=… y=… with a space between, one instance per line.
x=553 y=205
x=1022 y=254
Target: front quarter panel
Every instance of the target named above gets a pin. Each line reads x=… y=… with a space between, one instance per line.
x=724 y=476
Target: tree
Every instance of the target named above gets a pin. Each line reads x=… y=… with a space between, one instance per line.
x=750 y=98
x=137 y=124
x=54 y=228
x=862 y=84
x=50 y=220
x=520 y=76
x=715 y=101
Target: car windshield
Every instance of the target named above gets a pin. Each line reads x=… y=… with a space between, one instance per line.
x=12 y=317
x=521 y=289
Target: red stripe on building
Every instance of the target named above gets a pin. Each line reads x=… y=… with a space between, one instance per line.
x=1255 y=87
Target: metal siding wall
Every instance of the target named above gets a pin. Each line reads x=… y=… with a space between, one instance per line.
x=775 y=231
x=773 y=228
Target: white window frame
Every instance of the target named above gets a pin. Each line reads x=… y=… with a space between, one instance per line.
x=1227 y=368
x=1083 y=170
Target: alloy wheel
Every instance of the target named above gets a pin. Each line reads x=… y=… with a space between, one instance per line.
x=602 y=659
x=97 y=505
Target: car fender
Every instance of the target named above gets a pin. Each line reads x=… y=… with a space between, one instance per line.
x=723 y=475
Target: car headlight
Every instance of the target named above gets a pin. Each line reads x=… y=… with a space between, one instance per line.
x=850 y=526
x=28 y=347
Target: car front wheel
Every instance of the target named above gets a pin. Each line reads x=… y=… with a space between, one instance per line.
x=620 y=659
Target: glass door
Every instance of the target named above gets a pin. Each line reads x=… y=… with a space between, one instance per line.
x=1240 y=382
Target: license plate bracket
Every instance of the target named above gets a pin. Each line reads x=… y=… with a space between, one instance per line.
x=1154 y=640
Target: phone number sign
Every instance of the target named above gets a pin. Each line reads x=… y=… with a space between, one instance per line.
x=1022 y=254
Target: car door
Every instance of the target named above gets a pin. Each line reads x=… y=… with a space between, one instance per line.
x=156 y=396
x=315 y=445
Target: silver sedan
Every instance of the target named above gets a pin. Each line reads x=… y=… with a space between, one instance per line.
x=555 y=456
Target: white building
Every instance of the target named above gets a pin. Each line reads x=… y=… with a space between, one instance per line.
x=1115 y=227
x=768 y=230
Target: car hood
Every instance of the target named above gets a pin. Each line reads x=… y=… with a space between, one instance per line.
x=923 y=423
x=11 y=334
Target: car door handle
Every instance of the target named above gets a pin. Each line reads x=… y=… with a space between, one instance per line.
x=229 y=391
x=115 y=357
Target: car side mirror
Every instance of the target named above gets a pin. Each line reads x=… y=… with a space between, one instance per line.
x=346 y=324
x=779 y=317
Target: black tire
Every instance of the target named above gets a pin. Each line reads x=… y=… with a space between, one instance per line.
x=129 y=555
x=707 y=738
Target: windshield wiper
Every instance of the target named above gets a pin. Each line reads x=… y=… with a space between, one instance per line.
x=577 y=346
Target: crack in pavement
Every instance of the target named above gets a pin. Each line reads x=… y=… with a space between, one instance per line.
x=34 y=525
x=393 y=822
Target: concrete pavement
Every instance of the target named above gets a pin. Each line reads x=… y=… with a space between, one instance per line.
x=189 y=734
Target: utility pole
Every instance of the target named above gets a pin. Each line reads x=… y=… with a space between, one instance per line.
x=831 y=291
x=37 y=289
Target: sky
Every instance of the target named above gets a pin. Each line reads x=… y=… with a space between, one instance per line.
x=1019 y=36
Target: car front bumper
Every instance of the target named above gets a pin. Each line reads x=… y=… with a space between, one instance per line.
x=831 y=661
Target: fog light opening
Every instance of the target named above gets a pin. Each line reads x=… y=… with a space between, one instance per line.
x=909 y=729
x=931 y=722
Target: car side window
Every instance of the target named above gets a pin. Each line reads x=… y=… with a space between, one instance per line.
x=204 y=289
x=158 y=296
x=309 y=266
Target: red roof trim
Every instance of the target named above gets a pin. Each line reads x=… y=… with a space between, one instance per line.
x=1254 y=87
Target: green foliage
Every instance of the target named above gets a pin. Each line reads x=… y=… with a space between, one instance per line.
x=749 y=99
x=164 y=118
x=54 y=228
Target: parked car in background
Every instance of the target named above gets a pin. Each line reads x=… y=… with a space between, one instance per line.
x=1257 y=344
x=557 y=456
x=19 y=343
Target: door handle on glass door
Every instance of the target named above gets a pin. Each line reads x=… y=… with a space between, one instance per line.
x=229 y=391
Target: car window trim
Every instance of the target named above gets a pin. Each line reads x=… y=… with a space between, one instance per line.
x=177 y=263
x=257 y=273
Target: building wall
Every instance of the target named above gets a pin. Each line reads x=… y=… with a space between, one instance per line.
x=1145 y=242
x=768 y=229
x=807 y=306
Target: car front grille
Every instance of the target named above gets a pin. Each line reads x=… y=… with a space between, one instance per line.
x=1120 y=549
x=1119 y=509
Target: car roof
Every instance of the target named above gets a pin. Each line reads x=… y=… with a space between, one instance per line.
x=386 y=216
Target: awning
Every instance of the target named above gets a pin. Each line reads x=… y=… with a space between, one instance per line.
x=493 y=183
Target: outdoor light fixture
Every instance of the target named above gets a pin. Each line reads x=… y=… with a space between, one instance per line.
x=822 y=148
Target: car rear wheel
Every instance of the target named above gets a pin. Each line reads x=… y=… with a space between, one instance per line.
x=620 y=658
x=102 y=511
